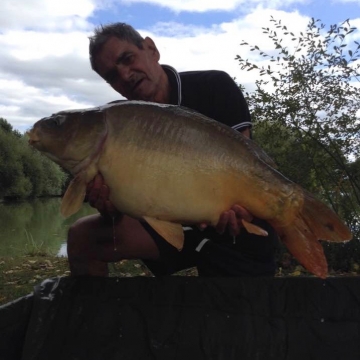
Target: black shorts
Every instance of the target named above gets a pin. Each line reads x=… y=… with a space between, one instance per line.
x=217 y=255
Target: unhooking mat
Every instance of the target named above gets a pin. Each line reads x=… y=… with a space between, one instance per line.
x=177 y=318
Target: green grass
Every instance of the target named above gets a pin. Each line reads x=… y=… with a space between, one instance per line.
x=19 y=275
x=33 y=249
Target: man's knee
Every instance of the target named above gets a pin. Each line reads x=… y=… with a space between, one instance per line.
x=79 y=238
x=82 y=248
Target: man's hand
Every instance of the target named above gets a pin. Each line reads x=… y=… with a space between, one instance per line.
x=98 y=197
x=231 y=220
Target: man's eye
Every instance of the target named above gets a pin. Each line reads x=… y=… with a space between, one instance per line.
x=127 y=59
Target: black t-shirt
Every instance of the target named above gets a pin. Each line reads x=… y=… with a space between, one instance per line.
x=212 y=93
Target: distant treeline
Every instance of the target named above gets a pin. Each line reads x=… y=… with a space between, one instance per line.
x=24 y=172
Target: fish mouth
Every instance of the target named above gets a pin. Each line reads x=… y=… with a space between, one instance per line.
x=33 y=137
x=33 y=142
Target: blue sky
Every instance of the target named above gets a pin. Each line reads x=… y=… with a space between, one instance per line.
x=135 y=14
x=44 y=65
x=328 y=11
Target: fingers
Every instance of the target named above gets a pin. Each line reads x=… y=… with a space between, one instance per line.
x=93 y=188
x=223 y=222
x=98 y=192
x=234 y=226
x=98 y=196
x=231 y=220
x=242 y=213
x=95 y=182
x=202 y=226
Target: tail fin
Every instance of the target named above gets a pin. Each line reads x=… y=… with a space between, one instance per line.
x=305 y=247
x=315 y=222
x=322 y=221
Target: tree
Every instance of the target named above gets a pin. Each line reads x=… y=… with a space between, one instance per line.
x=308 y=94
x=7 y=127
x=24 y=172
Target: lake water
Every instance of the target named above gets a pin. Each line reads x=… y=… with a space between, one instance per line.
x=36 y=224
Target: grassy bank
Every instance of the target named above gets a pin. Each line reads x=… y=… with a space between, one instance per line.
x=19 y=275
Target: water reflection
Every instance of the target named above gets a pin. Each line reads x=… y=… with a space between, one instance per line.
x=37 y=224
x=62 y=251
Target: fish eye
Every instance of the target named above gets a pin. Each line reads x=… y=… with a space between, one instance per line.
x=56 y=121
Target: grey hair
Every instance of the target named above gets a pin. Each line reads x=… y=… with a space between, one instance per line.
x=103 y=33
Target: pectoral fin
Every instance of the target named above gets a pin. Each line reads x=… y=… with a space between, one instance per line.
x=74 y=196
x=254 y=229
x=173 y=233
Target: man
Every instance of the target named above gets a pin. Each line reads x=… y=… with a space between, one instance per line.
x=130 y=64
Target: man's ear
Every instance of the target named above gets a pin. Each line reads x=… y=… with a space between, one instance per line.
x=150 y=46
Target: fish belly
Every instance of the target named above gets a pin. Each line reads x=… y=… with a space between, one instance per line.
x=186 y=189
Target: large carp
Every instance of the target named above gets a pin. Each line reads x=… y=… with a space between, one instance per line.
x=169 y=166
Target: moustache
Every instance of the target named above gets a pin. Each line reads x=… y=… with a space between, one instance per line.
x=132 y=83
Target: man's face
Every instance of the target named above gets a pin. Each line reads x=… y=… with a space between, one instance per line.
x=134 y=73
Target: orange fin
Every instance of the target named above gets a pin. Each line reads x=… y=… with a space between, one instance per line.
x=254 y=229
x=322 y=221
x=305 y=248
x=74 y=196
x=173 y=233
x=316 y=221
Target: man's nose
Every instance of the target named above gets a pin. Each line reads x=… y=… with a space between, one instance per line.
x=124 y=72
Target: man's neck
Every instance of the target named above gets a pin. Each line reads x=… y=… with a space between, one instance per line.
x=163 y=94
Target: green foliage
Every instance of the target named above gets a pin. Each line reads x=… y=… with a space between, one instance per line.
x=23 y=171
x=306 y=112
x=4 y=125
x=308 y=95
x=7 y=127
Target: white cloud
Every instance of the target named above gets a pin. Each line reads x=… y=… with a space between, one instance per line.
x=45 y=72
x=29 y=45
x=45 y=14
x=216 y=48
x=44 y=66
x=23 y=104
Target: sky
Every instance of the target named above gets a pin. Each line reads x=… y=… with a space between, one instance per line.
x=44 y=65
